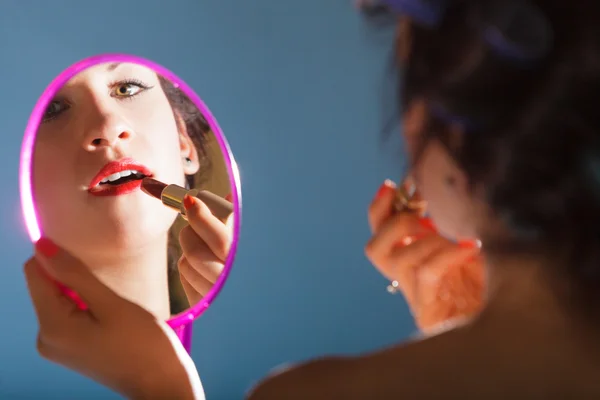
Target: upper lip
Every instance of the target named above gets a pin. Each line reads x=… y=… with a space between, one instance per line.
x=113 y=167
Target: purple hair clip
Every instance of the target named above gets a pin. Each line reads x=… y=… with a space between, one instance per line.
x=517 y=30
x=514 y=29
x=424 y=12
x=441 y=113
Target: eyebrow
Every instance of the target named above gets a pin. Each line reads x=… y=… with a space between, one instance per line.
x=112 y=66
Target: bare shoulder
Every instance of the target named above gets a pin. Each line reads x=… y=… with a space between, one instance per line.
x=404 y=370
x=315 y=379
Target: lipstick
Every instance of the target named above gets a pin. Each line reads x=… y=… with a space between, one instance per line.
x=172 y=196
x=407 y=198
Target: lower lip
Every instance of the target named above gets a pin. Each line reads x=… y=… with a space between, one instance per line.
x=116 y=190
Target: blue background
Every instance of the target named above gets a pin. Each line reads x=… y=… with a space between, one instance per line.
x=298 y=88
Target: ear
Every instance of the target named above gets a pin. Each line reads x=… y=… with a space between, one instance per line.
x=187 y=147
x=404 y=39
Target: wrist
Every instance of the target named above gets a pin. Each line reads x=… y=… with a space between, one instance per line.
x=164 y=385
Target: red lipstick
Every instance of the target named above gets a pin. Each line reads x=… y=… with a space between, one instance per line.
x=118 y=177
x=173 y=197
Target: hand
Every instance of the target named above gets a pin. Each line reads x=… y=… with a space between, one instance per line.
x=114 y=342
x=205 y=243
x=440 y=279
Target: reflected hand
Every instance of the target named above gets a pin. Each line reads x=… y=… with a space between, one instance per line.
x=205 y=243
x=115 y=342
x=440 y=279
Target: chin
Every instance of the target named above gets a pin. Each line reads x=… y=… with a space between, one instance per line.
x=125 y=236
x=145 y=227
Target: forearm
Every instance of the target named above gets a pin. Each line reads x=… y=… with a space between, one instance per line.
x=179 y=382
x=167 y=390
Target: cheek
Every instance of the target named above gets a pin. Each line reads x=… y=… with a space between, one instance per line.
x=157 y=124
x=447 y=206
x=433 y=190
x=51 y=173
x=161 y=140
x=53 y=185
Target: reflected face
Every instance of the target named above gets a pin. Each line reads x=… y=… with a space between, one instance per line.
x=440 y=180
x=107 y=124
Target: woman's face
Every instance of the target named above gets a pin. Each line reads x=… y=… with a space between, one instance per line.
x=105 y=115
x=439 y=179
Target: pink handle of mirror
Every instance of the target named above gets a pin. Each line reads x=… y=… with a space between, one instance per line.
x=184 y=333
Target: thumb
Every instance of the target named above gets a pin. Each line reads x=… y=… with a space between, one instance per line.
x=75 y=275
x=229 y=222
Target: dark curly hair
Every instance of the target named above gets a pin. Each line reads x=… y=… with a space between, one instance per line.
x=530 y=136
x=198 y=130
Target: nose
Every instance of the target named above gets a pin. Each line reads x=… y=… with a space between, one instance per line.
x=108 y=131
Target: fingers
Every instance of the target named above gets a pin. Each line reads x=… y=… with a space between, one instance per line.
x=72 y=273
x=192 y=296
x=199 y=255
x=393 y=232
x=458 y=293
x=209 y=228
x=403 y=263
x=417 y=204
x=50 y=305
x=473 y=277
x=418 y=252
x=382 y=206
x=434 y=271
x=193 y=281
x=447 y=257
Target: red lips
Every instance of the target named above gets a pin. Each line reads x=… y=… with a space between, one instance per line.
x=126 y=164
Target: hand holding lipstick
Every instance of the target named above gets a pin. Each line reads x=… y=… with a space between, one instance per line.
x=205 y=243
x=440 y=279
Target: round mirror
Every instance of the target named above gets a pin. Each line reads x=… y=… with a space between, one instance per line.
x=124 y=166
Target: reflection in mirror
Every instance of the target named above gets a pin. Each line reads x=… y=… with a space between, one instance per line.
x=117 y=148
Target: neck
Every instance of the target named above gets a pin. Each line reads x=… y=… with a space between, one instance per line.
x=140 y=276
x=525 y=291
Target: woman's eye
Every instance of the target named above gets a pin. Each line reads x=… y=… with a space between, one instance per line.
x=54 y=109
x=127 y=89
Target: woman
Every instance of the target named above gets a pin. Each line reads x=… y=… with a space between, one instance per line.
x=536 y=335
x=494 y=93
x=124 y=117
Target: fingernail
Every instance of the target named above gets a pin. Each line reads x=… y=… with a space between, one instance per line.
x=387 y=185
x=467 y=244
x=428 y=224
x=73 y=296
x=408 y=240
x=188 y=202
x=46 y=247
x=229 y=197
